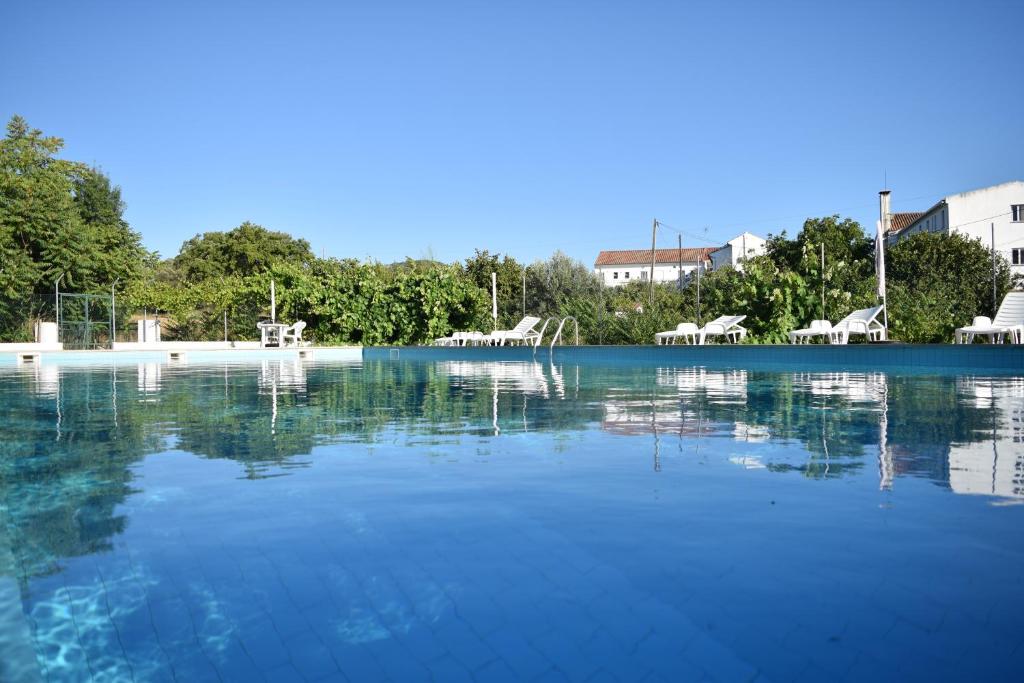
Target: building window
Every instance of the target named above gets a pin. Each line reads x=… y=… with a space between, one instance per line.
x=643 y=274
x=1018 y=213
x=1018 y=257
x=615 y=275
x=627 y=274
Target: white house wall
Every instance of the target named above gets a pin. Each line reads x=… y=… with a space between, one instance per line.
x=732 y=253
x=973 y=214
x=628 y=273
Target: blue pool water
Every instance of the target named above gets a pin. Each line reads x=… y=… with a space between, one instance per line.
x=288 y=520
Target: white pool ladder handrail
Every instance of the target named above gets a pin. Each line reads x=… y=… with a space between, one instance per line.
x=540 y=335
x=558 y=332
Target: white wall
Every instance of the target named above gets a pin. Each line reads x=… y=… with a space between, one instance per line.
x=637 y=271
x=732 y=253
x=972 y=214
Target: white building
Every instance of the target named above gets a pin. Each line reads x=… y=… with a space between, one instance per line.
x=973 y=214
x=995 y=465
x=736 y=250
x=623 y=266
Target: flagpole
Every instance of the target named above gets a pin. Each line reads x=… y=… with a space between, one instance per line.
x=880 y=276
x=494 y=299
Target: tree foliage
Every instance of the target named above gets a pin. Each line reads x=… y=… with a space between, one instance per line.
x=937 y=283
x=509 y=274
x=246 y=250
x=58 y=219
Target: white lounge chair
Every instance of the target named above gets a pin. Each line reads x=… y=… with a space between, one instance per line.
x=524 y=333
x=686 y=331
x=818 y=328
x=865 y=321
x=1009 y=322
x=293 y=334
x=727 y=326
x=461 y=339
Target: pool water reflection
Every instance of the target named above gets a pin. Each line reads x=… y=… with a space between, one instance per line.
x=300 y=520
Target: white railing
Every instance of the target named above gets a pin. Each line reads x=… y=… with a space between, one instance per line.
x=561 y=326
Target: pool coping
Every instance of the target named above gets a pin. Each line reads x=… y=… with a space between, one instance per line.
x=180 y=355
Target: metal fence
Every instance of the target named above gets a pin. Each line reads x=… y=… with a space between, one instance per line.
x=85 y=321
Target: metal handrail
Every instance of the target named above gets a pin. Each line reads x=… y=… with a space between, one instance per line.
x=558 y=332
x=540 y=335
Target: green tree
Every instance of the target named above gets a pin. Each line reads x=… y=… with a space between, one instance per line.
x=58 y=219
x=849 y=265
x=243 y=251
x=39 y=225
x=553 y=283
x=937 y=283
x=510 y=283
x=119 y=253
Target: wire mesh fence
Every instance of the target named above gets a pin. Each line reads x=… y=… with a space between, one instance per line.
x=85 y=321
x=93 y=320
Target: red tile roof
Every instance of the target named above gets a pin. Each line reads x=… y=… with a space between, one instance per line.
x=631 y=257
x=902 y=220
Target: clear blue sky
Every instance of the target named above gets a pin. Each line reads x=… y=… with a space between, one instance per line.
x=387 y=129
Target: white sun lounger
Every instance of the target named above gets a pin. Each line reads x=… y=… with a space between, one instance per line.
x=686 y=331
x=865 y=321
x=524 y=333
x=1009 y=322
x=461 y=339
x=727 y=326
x=818 y=328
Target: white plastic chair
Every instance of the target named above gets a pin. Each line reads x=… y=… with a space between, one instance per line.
x=293 y=334
x=1008 y=323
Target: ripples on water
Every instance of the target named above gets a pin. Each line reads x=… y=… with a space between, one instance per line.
x=398 y=520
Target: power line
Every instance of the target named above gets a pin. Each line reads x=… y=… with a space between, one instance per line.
x=805 y=215
x=662 y=224
x=960 y=225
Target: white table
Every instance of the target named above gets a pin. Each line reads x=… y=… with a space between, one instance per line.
x=271 y=334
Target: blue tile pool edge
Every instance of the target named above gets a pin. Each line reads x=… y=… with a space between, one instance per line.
x=976 y=358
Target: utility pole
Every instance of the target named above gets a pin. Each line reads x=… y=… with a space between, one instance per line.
x=680 y=236
x=654 y=254
x=995 y=304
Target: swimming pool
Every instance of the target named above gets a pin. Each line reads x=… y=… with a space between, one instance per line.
x=478 y=519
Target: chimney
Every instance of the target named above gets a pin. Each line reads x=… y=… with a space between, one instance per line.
x=884 y=214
